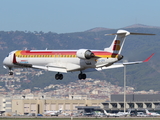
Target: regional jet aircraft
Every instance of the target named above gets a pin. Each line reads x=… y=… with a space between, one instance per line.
x=53 y=113
x=63 y=61
x=153 y=114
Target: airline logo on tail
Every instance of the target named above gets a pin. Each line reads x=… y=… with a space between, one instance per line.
x=117 y=45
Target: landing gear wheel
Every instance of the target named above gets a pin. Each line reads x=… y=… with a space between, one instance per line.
x=58 y=76
x=82 y=76
x=10 y=73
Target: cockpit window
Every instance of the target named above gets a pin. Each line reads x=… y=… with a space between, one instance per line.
x=9 y=54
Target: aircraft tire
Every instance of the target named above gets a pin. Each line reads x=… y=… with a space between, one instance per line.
x=82 y=76
x=10 y=73
x=58 y=76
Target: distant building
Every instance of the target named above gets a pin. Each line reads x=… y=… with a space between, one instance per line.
x=2 y=104
x=133 y=101
x=41 y=104
x=5 y=104
x=77 y=97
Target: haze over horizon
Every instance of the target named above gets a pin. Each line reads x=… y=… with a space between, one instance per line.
x=75 y=16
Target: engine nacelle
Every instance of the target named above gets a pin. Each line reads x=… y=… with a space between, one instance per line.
x=84 y=54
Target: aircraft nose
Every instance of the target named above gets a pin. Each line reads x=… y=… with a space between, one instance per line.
x=6 y=61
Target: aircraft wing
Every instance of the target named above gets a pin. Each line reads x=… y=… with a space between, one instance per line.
x=51 y=68
x=56 y=67
x=59 y=67
x=118 y=65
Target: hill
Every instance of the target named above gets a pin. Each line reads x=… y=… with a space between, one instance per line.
x=142 y=77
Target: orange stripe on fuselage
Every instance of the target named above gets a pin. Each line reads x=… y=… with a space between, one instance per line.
x=104 y=54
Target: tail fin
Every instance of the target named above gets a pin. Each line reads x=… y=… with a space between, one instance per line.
x=117 y=44
x=105 y=112
x=147 y=111
x=60 y=110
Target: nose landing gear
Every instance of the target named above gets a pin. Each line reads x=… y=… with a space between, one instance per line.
x=10 y=71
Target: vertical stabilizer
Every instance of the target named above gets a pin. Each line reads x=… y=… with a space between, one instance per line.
x=117 y=44
x=147 y=111
x=105 y=112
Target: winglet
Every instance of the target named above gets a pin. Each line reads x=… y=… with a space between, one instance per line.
x=146 y=60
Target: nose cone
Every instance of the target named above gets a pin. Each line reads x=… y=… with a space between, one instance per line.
x=6 y=61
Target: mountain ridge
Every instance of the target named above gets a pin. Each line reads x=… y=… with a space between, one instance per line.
x=140 y=26
x=98 y=29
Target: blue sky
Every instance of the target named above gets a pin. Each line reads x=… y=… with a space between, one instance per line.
x=66 y=16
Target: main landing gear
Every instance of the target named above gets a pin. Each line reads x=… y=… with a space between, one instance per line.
x=58 y=76
x=82 y=76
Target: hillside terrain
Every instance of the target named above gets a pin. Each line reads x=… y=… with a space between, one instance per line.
x=141 y=77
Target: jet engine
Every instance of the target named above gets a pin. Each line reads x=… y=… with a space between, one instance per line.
x=84 y=54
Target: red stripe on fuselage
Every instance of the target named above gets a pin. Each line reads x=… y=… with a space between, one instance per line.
x=48 y=52
x=28 y=52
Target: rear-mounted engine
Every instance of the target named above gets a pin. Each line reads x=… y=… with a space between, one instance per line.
x=84 y=54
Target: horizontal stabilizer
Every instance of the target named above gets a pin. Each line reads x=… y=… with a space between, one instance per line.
x=141 y=34
x=129 y=33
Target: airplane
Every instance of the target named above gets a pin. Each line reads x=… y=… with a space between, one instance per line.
x=119 y=114
x=53 y=113
x=63 y=61
x=111 y=114
x=154 y=114
x=124 y=113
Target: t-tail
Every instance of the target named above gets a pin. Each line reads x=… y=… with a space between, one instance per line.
x=118 y=42
x=60 y=111
x=105 y=112
x=147 y=111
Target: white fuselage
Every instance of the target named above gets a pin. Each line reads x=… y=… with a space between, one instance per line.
x=70 y=63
